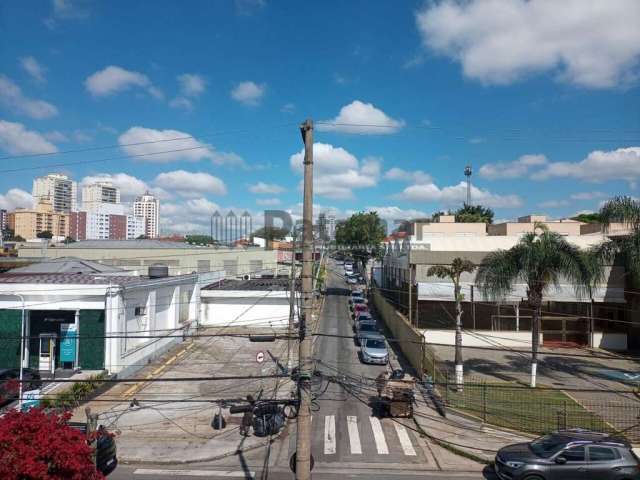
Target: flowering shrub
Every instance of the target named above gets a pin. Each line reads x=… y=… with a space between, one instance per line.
x=41 y=446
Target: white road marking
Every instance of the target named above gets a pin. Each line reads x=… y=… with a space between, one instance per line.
x=193 y=473
x=329 y=435
x=378 y=436
x=354 y=436
x=405 y=441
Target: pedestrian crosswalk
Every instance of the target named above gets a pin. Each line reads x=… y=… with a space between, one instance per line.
x=385 y=434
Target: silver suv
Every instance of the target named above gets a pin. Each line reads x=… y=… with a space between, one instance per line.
x=574 y=454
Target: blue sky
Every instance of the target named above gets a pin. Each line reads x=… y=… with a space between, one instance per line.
x=546 y=111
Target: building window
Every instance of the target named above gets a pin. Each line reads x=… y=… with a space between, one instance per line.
x=140 y=311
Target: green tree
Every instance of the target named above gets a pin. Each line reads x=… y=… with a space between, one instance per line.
x=474 y=214
x=624 y=210
x=271 y=233
x=199 y=239
x=362 y=233
x=588 y=218
x=539 y=260
x=142 y=237
x=44 y=234
x=68 y=240
x=454 y=271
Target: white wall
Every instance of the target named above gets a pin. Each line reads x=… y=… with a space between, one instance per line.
x=610 y=341
x=244 y=308
x=480 y=338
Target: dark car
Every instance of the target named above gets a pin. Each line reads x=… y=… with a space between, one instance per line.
x=9 y=382
x=106 y=450
x=569 y=455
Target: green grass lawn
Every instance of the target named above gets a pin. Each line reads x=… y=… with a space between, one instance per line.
x=519 y=407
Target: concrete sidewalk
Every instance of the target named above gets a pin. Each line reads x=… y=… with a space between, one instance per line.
x=462 y=435
x=170 y=421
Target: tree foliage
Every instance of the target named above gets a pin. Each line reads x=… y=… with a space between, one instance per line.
x=199 y=239
x=271 y=233
x=38 y=445
x=44 y=234
x=623 y=210
x=474 y=214
x=454 y=271
x=362 y=233
x=593 y=217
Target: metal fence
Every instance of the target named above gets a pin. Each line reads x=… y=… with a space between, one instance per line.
x=516 y=406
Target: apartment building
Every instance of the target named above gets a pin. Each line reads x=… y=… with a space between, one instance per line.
x=103 y=225
x=148 y=207
x=528 y=223
x=99 y=193
x=58 y=189
x=27 y=223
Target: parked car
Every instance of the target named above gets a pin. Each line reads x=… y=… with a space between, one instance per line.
x=364 y=316
x=352 y=280
x=373 y=349
x=106 y=449
x=363 y=319
x=357 y=293
x=9 y=386
x=366 y=330
x=359 y=307
x=567 y=455
x=356 y=301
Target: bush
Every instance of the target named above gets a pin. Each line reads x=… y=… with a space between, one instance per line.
x=73 y=396
x=39 y=445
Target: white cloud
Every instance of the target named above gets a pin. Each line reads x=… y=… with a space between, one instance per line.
x=33 y=68
x=288 y=108
x=599 y=166
x=456 y=194
x=11 y=96
x=246 y=8
x=129 y=185
x=394 y=215
x=192 y=84
x=191 y=216
x=15 y=139
x=268 y=202
x=114 y=79
x=181 y=102
x=262 y=187
x=190 y=184
x=55 y=136
x=361 y=118
x=517 y=168
x=591 y=43
x=248 y=93
x=554 y=204
x=416 y=176
x=138 y=141
x=476 y=140
x=16 y=198
x=588 y=195
x=67 y=10
x=337 y=172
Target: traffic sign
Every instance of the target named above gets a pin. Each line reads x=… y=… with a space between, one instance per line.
x=260 y=357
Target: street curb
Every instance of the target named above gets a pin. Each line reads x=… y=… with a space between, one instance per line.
x=452 y=448
x=207 y=459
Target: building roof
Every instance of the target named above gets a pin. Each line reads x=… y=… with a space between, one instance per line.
x=261 y=284
x=133 y=244
x=67 y=265
x=80 y=279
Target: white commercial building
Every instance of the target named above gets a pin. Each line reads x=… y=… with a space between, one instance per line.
x=58 y=189
x=115 y=323
x=148 y=206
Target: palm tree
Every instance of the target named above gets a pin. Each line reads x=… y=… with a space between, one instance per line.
x=540 y=260
x=454 y=271
x=627 y=211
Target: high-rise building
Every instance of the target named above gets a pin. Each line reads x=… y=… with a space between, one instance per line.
x=331 y=227
x=98 y=193
x=96 y=225
x=3 y=220
x=27 y=223
x=148 y=206
x=57 y=189
x=322 y=226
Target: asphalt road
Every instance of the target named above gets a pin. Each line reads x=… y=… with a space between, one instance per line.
x=347 y=442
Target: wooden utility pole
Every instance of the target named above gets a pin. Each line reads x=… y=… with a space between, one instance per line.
x=292 y=299
x=303 y=438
